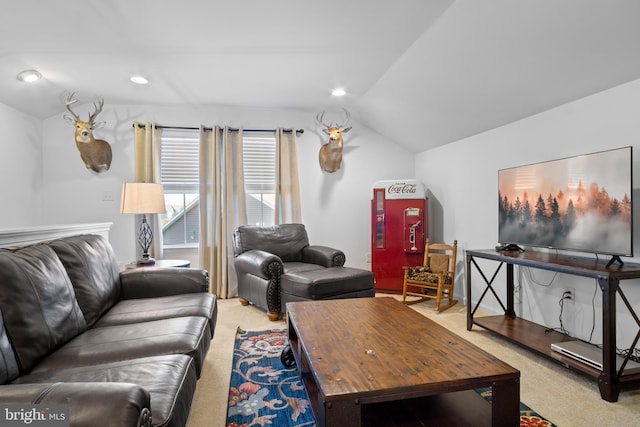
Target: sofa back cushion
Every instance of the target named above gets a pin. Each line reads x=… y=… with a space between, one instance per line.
x=8 y=364
x=92 y=267
x=284 y=240
x=38 y=303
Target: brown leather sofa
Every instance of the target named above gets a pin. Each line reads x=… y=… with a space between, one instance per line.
x=119 y=348
x=276 y=264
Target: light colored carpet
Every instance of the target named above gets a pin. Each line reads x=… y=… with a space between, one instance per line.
x=562 y=396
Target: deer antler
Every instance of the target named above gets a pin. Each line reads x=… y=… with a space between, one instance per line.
x=348 y=114
x=69 y=103
x=98 y=108
x=320 y=118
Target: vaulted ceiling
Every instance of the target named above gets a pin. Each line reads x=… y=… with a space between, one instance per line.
x=423 y=73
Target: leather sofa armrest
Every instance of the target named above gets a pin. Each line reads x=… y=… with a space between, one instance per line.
x=323 y=255
x=123 y=404
x=149 y=282
x=259 y=263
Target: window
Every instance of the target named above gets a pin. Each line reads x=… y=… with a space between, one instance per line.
x=179 y=166
x=179 y=174
x=259 y=163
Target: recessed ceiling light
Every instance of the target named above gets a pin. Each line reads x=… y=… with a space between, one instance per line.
x=338 y=92
x=139 y=80
x=29 y=76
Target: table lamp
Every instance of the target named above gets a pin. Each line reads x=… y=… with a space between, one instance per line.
x=143 y=198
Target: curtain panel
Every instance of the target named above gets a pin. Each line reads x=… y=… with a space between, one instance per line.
x=222 y=205
x=287 y=183
x=147 y=146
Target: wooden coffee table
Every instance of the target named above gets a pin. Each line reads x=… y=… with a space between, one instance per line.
x=374 y=361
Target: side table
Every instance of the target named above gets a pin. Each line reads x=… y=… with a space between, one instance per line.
x=162 y=263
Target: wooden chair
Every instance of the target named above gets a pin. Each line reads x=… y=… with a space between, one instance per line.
x=435 y=279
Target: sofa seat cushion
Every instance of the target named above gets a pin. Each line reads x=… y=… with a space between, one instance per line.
x=147 y=309
x=169 y=380
x=326 y=282
x=37 y=302
x=93 y=269
x=182 y=335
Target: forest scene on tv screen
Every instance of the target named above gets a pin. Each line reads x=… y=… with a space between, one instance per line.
x=581 y=203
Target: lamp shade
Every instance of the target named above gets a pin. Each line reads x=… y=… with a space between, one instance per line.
x=142 y=198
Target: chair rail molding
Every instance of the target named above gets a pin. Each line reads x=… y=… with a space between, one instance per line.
x=17 y=237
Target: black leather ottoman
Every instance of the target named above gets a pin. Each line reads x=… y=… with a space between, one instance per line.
x=325 y=283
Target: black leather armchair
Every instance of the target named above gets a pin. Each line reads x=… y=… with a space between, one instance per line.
x=264 y=254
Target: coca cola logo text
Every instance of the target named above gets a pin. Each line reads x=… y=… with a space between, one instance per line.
x=402 y=188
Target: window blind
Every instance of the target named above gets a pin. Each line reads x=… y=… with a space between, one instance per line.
x=259 y=162
x=179 y=164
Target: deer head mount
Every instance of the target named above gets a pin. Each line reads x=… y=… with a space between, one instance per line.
x=95 y=153
x=330 y=155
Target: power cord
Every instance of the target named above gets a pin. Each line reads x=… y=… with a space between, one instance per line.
x=533 y=280
x=565 y=296
x=593 y=310
x=517 y=290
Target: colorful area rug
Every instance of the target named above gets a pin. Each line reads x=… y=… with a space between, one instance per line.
x=263 y=392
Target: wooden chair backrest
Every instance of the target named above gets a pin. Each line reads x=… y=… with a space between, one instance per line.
x=441 y=257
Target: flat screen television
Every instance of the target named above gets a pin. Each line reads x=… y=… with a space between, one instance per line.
x=580 y=203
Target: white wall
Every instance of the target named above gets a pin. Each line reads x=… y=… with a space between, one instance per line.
x=335 y=207
x=43 y=182
x=462 y=181
x=20 y=169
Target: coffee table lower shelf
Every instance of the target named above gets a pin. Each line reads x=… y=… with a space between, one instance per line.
x=460 y=409
x=457 y=409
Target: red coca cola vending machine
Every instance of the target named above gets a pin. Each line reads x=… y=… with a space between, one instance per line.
x=398 y=230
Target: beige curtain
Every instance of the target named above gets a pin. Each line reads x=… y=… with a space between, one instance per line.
x=222 y=205
x=146 y=140
x=287 y=205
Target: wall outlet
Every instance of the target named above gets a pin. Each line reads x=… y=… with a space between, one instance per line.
x=368 y=257
x=107 y=196
x=569 y=296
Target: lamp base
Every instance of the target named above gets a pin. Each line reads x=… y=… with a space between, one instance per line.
x=145 y=237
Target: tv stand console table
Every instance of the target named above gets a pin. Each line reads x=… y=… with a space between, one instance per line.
x=538 y=338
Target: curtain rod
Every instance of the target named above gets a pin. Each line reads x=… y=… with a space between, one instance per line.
x=210 y=129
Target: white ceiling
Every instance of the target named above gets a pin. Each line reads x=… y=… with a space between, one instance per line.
x=423 y=73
